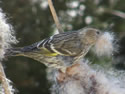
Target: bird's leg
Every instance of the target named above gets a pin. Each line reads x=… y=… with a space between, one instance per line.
x=70 y=71
x=61 y=76
x=78 y=58
x=81 y=55
x=63 y=69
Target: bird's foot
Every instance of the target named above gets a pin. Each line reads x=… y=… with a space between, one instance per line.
x=69 y=72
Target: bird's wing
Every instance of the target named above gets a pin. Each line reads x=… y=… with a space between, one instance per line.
x=64 y=44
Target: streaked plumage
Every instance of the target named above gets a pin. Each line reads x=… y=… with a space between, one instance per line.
x=75 y=44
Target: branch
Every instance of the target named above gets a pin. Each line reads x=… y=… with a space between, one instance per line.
x=58 y=25
x=118 y=13
x=4 y=81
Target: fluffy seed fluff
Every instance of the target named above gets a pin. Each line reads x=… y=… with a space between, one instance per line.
x=6 y=39
x=105 y=45
x=6 y=35
x=1 y=90
x=83 y=79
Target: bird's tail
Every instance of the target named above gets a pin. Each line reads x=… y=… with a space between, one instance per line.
x=21 y=50
x=14 y=52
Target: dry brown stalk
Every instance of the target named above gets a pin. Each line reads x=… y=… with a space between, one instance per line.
x=55 y=17
x=4 y=81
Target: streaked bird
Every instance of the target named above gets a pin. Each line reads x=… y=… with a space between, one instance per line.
x=75 y=44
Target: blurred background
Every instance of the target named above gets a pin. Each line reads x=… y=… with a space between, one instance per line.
x=32 y=21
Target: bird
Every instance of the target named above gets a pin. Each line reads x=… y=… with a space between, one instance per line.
x=75 y=44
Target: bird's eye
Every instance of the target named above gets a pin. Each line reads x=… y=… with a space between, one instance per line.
x=98 y=32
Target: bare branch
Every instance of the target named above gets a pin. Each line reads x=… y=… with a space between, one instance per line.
x=118 y=13
x=114 y=12
x=58 y=25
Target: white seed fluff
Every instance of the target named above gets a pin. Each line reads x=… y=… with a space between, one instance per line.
x=6 y=39
x=86 y=80
x=6 y=35
x=105 y=46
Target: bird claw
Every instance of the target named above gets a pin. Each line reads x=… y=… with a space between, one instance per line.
x=69 y=72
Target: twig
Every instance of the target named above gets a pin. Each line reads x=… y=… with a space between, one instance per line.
x=4 y=82
x=58 y=25
x=114 y=12
x=118 y=13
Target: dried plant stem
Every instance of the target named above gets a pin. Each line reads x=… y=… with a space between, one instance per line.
x=118 y=13
x=58 y=25
x=4 y=82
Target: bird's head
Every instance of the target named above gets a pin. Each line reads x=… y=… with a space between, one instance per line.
x=90 y=35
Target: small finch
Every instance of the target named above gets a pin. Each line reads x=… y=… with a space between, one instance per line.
x=75 y=44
